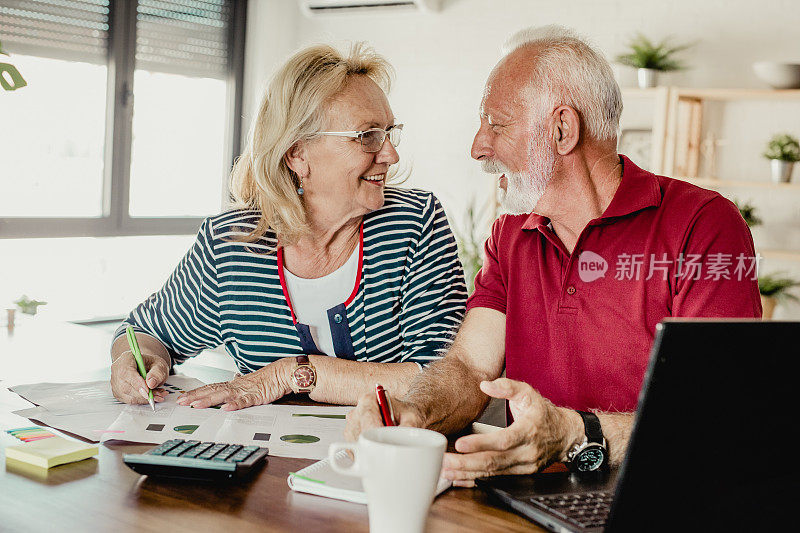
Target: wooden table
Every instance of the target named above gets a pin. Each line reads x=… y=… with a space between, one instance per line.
x=102 y=494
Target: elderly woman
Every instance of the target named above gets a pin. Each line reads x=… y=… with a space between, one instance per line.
x=324 y=280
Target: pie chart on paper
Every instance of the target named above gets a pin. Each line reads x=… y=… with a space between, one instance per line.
x=300 y=439
x=188 y=429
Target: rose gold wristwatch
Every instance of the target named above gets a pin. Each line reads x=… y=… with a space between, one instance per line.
x=304 y=375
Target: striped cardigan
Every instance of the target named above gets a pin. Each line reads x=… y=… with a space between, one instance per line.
x=406 y=304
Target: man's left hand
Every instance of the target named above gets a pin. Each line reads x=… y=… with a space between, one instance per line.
x=540 y=434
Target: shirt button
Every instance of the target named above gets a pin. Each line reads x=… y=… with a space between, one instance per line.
x=337 y=318
x=571 y=290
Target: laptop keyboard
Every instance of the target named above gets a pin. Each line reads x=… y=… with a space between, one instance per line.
x=588 y=509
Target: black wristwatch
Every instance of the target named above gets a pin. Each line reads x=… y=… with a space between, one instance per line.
x=591 y=454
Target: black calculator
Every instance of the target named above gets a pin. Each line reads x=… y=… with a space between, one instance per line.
x=192 y=459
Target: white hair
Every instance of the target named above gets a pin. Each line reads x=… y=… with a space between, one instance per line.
x=569 y=71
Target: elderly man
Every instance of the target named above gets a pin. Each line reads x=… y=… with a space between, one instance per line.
x=594 y=253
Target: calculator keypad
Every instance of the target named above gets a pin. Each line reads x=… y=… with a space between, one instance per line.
x=182 y=448
x=197 y=450
x=243 y=454
x=206 y=450
x=164 y=448
x=195 y=459
x=212 y=451
x=226 y=453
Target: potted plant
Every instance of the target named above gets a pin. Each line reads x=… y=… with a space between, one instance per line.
x=783 y=151
x=470 y=239
x=28 y=306
x=13 y=74
x=774 y=288
x=748 y=212
x=651 y=58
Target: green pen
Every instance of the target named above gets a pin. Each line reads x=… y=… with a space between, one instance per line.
x=139 y=363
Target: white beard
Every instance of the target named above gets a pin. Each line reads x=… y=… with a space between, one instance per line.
x=525 y=189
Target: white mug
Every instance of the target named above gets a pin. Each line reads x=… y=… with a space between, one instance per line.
x=399 y=468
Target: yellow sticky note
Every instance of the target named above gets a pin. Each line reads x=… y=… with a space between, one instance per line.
x=50 y=452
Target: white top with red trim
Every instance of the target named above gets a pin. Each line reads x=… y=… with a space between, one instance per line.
x=311 y=299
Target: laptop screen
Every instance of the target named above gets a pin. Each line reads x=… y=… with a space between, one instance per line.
x=713 y=444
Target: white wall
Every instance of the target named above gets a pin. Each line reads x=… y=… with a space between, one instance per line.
x=442 y=60
x=271 y=36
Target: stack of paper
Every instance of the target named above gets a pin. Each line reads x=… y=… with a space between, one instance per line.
x=85 y=409
x=50 y=452
x=90 y=410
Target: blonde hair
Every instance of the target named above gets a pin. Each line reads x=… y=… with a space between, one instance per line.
x=293 y=109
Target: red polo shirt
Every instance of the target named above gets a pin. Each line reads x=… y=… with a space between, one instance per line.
x=579 y=326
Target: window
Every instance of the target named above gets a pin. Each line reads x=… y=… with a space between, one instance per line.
x=178 y=132
x=52 y=140
x=130 y=120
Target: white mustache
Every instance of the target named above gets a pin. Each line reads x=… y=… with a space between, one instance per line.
x=494 y=167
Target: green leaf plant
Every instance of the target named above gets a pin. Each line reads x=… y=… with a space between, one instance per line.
x=749 y=213
x=777 y=286
x=783 y=147
x=644 y=53
x=470 y=236
x=29 y=306
x=10 y=78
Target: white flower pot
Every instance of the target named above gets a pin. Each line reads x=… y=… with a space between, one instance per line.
x=781 y=170
x=647 y=77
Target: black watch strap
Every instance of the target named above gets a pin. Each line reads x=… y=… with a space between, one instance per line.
x=594 y=432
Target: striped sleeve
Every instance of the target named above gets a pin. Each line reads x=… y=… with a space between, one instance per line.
x=184 y=314
x=433 y=293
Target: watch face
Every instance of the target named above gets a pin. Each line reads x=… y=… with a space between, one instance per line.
x=590 y=459
x=304 y=377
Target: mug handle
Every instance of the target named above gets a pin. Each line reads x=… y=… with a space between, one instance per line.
x=333 y=452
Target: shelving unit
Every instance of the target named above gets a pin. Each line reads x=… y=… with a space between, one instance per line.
x=786 y=255
x=736 y=94
x=712 y=183
x=683 y=136
x=678 y=145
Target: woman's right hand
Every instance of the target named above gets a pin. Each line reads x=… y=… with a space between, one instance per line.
x=128 y=385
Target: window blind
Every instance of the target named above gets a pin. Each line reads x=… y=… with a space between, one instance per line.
x=75 y=30
x=183 y=37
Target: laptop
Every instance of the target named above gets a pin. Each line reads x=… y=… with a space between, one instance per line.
x=712 y=446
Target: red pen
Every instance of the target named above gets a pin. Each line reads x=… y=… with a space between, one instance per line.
x=385 y=406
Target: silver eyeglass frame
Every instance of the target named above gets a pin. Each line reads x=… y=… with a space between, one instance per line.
x=360 y=135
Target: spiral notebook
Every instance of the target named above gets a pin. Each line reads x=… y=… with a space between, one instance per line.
x=320 y=479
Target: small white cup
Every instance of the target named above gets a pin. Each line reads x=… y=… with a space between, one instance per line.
x=399 y=468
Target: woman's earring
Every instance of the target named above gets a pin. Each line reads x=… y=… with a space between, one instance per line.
x=300 y=189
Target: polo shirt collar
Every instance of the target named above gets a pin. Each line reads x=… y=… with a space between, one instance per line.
x=639 y=189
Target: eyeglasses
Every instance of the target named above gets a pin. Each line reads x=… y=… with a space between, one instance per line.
x=372 y=139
